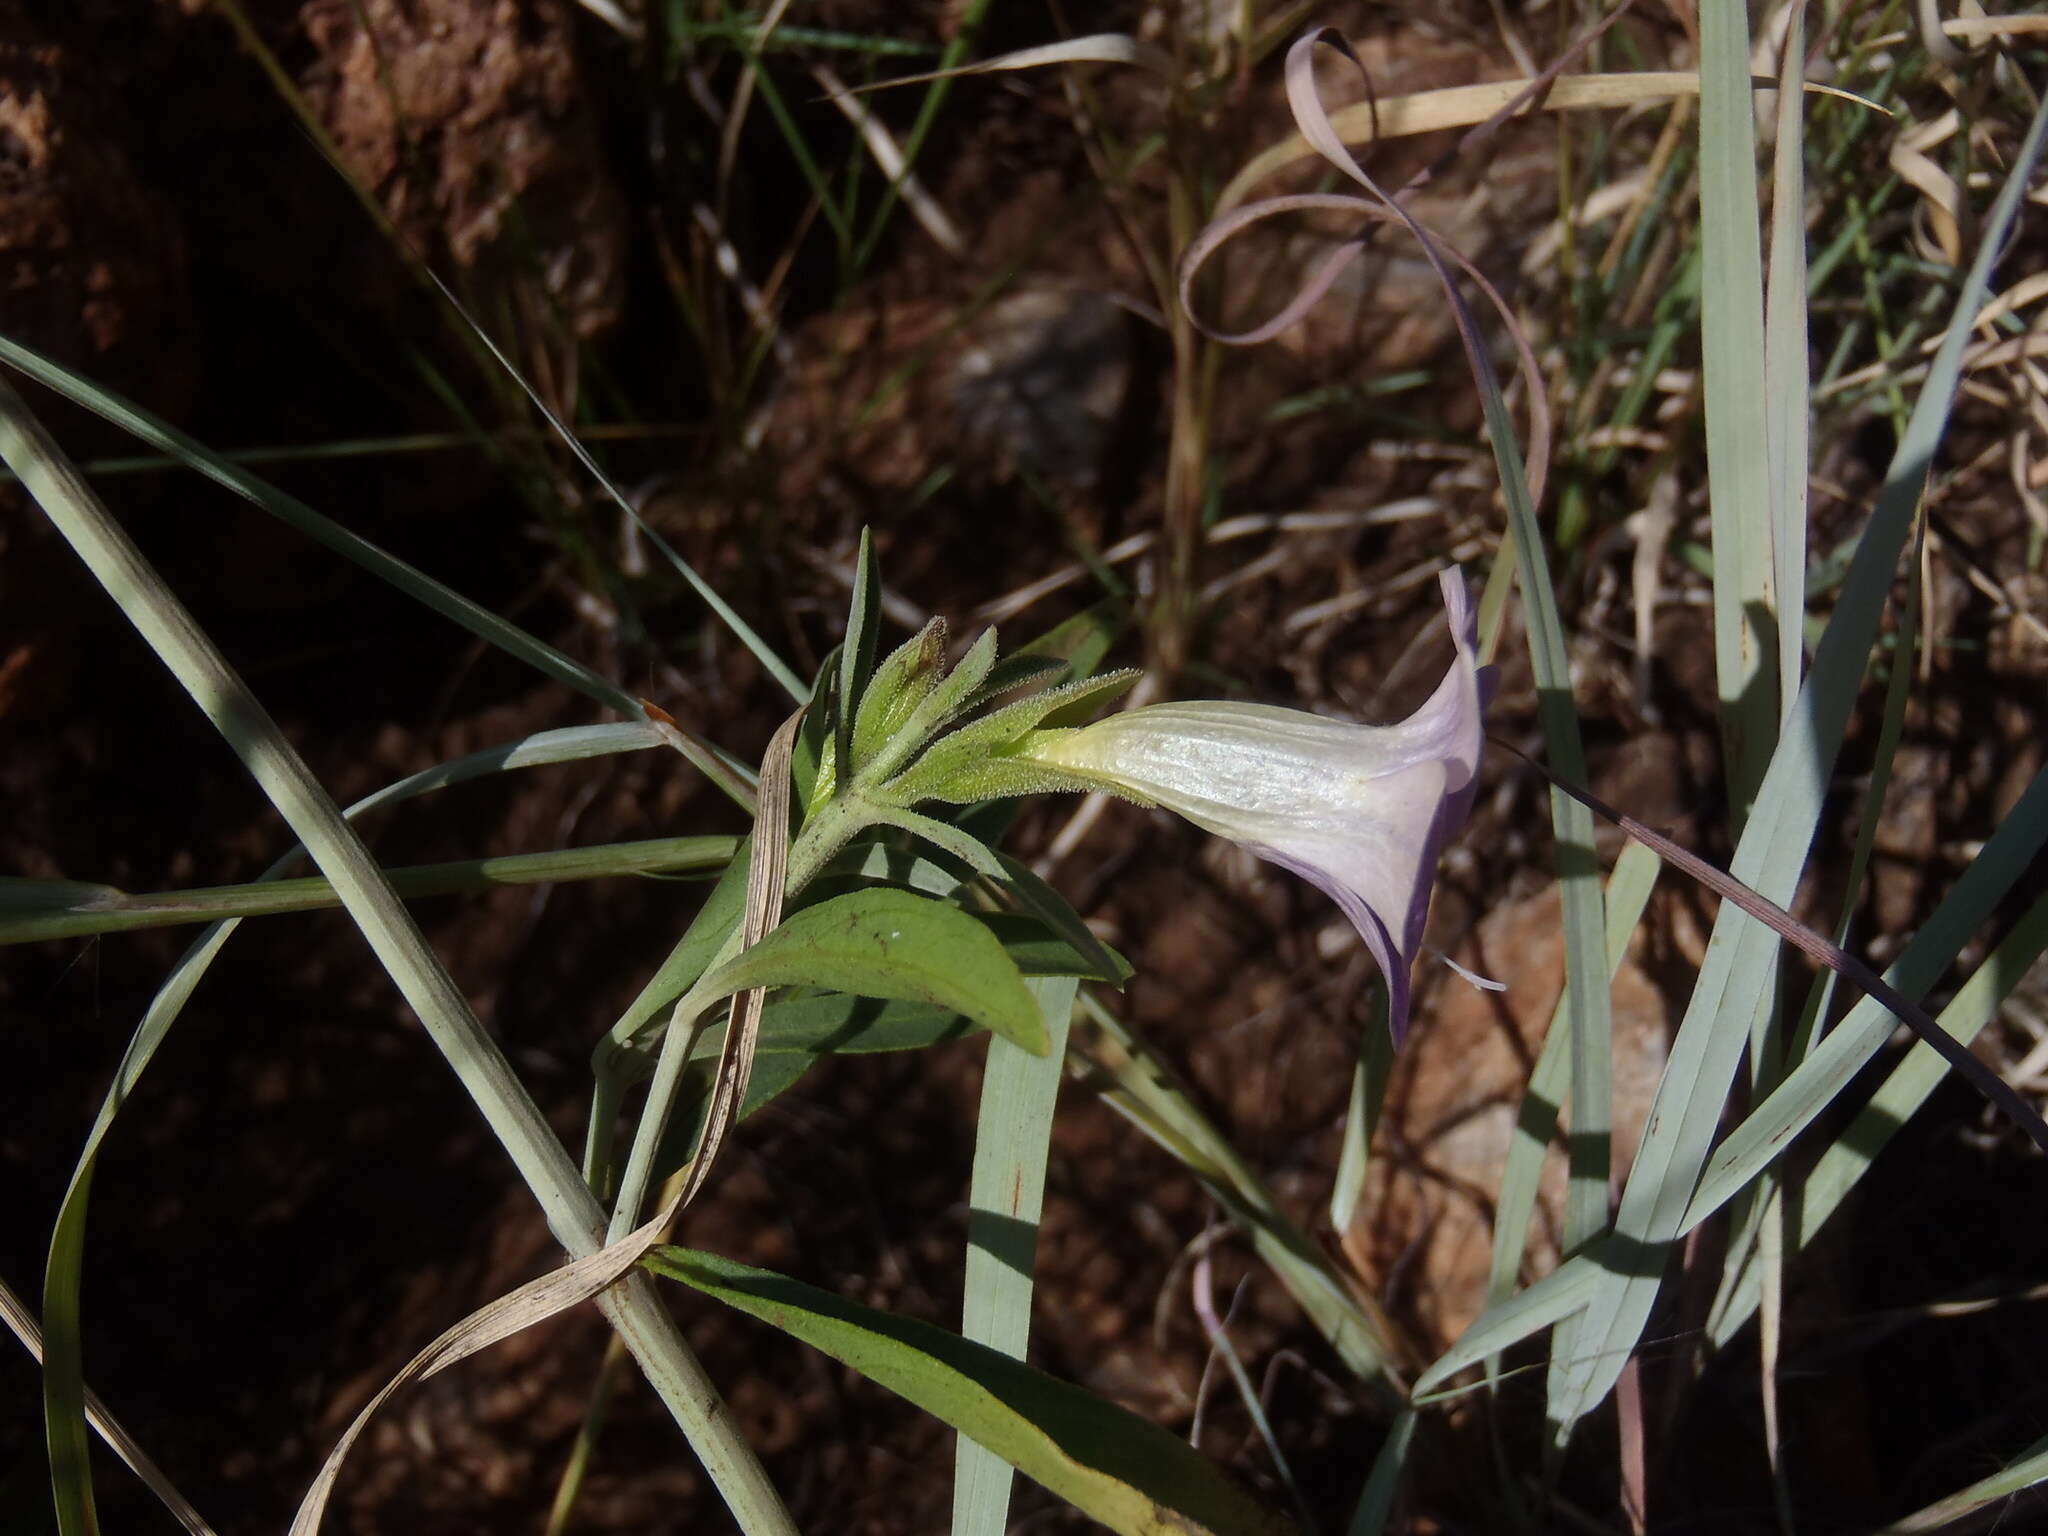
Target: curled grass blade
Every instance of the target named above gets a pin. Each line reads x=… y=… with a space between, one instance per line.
x=1463 y=106
x=534 y=1302
x=1572 y=824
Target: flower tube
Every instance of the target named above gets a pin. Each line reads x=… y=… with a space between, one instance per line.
x=1360 y=811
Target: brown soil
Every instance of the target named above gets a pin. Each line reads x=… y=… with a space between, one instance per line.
x=299 y=1196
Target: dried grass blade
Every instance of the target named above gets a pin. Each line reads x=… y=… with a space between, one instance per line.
x=1096 y=48
x=1462 y=106
x=22 y=1324
x=768 y=863
x=534 y=1302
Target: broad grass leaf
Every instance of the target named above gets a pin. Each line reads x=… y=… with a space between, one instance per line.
x=888 y=943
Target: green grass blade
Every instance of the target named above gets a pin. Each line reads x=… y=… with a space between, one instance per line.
x=14 y=1313
x=1628 y=892
x=2027 y=1470
x=572 y=1213
x=1738 y=430
x=1737 y=973
x=1587 y=1005
x=1850 y=1155
x=61 y=1287
x=1115 y=1467
x=416 y=584
x=761 y=650
x=1006 y=1193
x=1369 y=1078
x=1788 y=425
x=1787 y=381
x=1376 y=1504
x=114 y=911
x=1563 y=1293
x=2007 y=858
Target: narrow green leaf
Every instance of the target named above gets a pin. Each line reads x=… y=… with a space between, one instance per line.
x=1737 y=426
x=951 y=767
x=885 y=943
x=957 y=693
x=1370 y=1075
x=2027 y=1470
x=1040 y=950
x=1850 y=1155
x=55 y=909
x=814 y=766
x=1032 y=895
x=1736 y=977
x=478 y=620
x=902 y=682
x=1376 y=1504
x=1012 y=1131
x=838 y=1023
x=2006 y=858
x=1082 y=642
x=572 y=1213
x=857 y=651
x=714 y=923
x=1113 y=1466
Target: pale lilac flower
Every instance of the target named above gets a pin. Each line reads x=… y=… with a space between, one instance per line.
x=1360 y=811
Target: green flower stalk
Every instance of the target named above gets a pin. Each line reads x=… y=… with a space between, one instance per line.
x=1359 y=811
